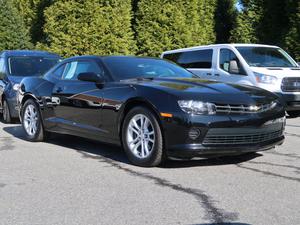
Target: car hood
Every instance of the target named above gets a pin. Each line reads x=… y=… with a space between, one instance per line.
x=278 y=72
x=210 y=91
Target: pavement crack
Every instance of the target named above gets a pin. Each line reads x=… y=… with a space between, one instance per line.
x=269 y=173
x=213 y=213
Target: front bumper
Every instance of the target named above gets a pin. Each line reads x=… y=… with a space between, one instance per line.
x=200 y=150
x=292 y=101
x=224 y=134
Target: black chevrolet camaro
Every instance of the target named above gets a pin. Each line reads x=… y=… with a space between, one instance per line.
x=153 y=108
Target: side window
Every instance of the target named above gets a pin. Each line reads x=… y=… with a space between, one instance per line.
x=57 y=74
x=229 y=62
x=172 y=57
x=2 y=68
x=199 y=59
x=74 y=68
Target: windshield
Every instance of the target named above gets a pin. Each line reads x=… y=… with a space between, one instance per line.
x=266 y=57
x=124 y=68
x=30 y=65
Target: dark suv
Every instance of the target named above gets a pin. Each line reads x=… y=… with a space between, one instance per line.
x=14 y=66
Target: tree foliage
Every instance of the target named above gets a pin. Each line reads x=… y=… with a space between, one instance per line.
x=292 y=36
x=245 y=28
x=33 y=13
x=273 y=22
x=76 y=27
x=225 y=18
x=13 y=34
x=146 y=27
x=169 y=24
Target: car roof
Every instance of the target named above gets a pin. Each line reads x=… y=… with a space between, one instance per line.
x=8 y=53
x=218 y=45
x=109 y=56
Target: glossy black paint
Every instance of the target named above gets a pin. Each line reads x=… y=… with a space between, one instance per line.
x=96 y=111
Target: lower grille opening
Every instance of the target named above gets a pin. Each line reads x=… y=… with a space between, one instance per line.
x=235 y=139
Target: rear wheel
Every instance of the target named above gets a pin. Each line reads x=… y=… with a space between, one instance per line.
x=142 y=138
x=6 y=112
x=32 y=121
x=294 y=114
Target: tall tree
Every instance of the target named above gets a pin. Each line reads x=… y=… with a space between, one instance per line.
x=245 y=28
x=76 y=27
x=33 y=14
x=13 y=34
x=225 y=18
x=292 y=37
x=274 y=22
x=165 y=24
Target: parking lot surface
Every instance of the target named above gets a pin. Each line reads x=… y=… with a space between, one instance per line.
x=69 y=180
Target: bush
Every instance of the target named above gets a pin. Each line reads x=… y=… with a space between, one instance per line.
x=95 y=27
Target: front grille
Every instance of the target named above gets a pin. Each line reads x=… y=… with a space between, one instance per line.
x=235 y=139
x=290 y=84
x=226 y=108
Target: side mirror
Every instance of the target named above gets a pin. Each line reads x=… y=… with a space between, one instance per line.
x=233 y=67
x=91 y=77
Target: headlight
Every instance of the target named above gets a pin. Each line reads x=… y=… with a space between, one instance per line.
x=265 y=79
x=197 y=107
x=16 y=87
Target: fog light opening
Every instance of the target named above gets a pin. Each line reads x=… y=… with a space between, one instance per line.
x=194 y=133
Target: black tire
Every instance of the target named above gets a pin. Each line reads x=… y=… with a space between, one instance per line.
x=157 y=154
x=40 y=134
x=6 y=112
x=293 y=114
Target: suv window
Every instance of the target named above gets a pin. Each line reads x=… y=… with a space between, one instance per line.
x=226 y=55
x=73 y=69
x=201 y=59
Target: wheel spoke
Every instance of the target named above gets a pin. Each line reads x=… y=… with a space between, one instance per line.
x=146 y=147
x=134 y=141
x=136 y=147
x=134 y=129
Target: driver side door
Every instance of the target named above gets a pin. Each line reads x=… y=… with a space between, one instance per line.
x=79 y=102
x=226 y=74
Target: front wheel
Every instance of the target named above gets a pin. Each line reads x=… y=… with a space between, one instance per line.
x=142 y=138
x=32 y=121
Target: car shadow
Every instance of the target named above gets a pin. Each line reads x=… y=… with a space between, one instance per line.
x=116 y=153
x=225 y=223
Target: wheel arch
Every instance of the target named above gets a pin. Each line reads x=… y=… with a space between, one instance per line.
x=24 y=99
x=135 y=102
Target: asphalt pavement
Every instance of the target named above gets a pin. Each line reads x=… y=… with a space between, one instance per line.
x=69 y=180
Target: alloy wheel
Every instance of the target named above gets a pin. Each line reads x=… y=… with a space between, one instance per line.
x=30 y=119
x=140 y=136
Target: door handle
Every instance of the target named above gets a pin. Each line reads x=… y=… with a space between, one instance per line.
x=216 y=74
x=208 y=74
x=59 y=89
